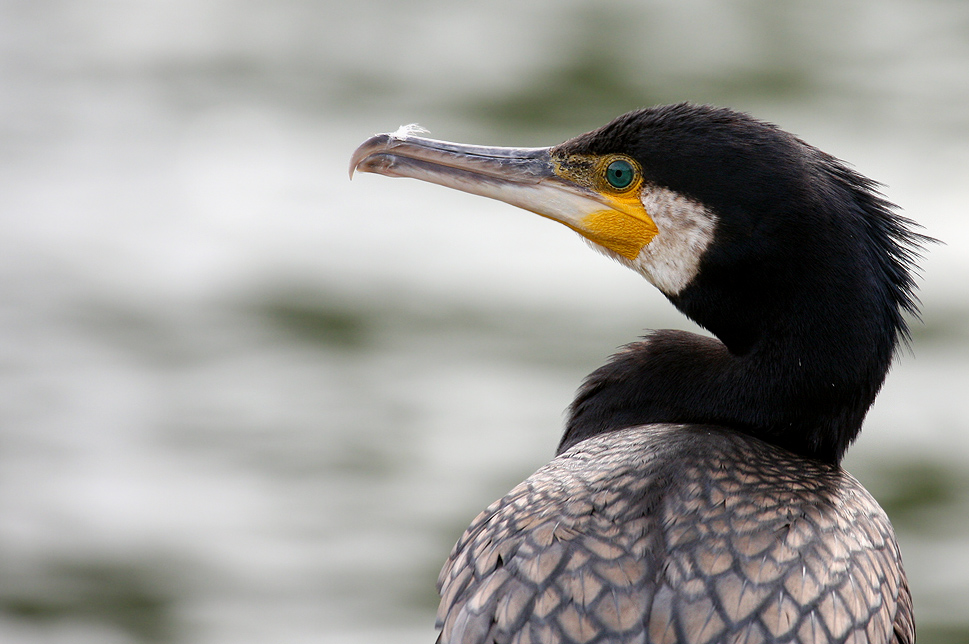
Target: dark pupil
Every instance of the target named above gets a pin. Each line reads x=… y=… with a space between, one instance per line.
x=619 y=174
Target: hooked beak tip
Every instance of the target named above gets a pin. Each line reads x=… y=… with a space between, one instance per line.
x=381 y=142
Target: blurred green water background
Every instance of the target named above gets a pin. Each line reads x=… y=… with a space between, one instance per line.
x=245 y=400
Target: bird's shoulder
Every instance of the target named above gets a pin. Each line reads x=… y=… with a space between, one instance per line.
x=679 y=534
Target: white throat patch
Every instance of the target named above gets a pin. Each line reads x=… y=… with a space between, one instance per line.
x=672 y=259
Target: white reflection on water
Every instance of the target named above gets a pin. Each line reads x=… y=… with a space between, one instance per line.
x=263 y=401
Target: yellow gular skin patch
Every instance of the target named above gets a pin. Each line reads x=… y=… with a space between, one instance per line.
x=619 y=232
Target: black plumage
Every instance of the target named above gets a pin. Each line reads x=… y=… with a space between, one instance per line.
x=697 y=495
x=805 y=287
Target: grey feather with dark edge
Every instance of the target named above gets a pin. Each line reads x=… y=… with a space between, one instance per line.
x=678 y=534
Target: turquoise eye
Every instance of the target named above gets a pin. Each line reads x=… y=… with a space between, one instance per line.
x=620 y=174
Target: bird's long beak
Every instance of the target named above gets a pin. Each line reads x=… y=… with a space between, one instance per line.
x=531 y=178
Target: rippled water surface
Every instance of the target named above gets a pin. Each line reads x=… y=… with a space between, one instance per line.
x=245 y=400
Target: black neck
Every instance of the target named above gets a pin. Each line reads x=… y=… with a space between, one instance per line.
x=680 y=377
x=797 y=367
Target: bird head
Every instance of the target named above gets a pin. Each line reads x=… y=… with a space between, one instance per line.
x=736 y=221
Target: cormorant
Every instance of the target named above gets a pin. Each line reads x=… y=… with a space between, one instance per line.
x=696 y=496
